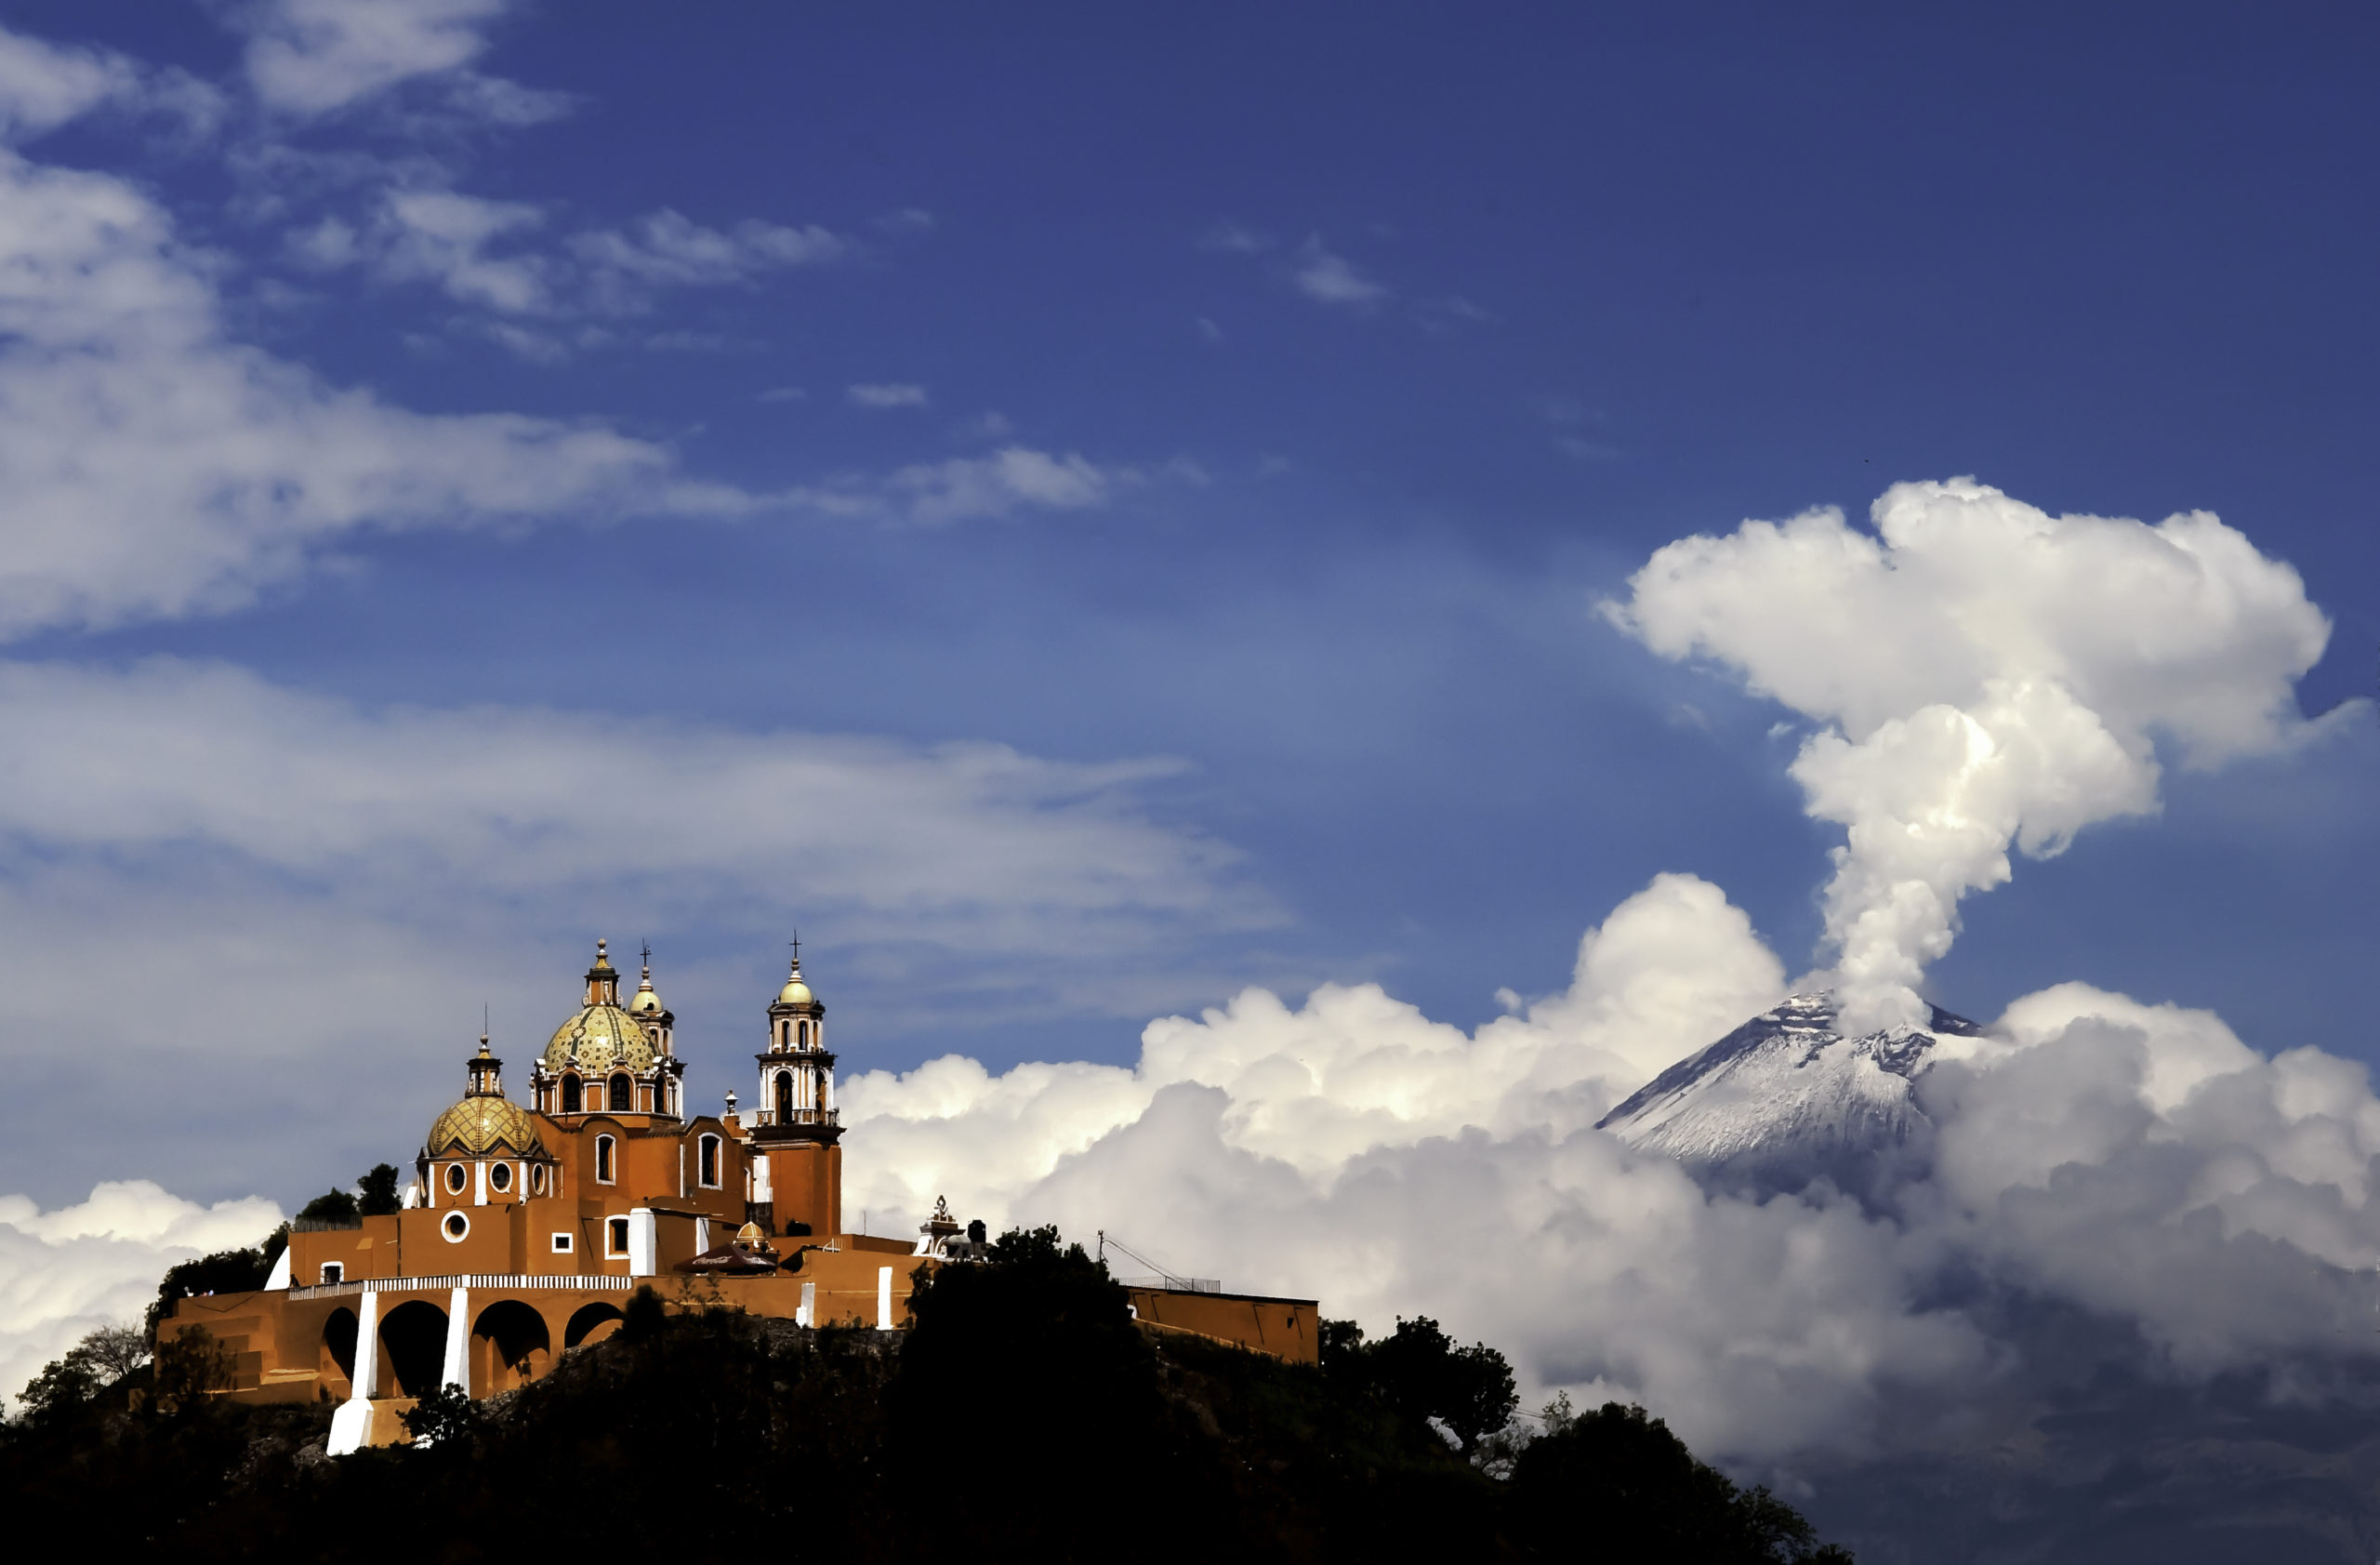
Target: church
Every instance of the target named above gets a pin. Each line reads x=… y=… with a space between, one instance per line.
x=528 y=1226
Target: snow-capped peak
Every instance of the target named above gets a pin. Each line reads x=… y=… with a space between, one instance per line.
x=1786 y=1098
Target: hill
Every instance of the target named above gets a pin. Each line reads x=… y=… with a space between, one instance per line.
x=1025 y=1415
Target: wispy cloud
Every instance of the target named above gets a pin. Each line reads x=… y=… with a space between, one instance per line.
x=1231 y=238
x=967 y=487
x=883 y=394
x=309 y=57
x=1332 y=279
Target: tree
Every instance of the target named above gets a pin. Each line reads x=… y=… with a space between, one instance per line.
x=112 y=1352
x=1619 y=1480
x=379 y=1191
x=1420 y=1373
x=446 y=1417
x=335 y=1207
x=226 y=1271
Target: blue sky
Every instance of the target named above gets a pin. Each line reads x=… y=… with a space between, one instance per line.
x=1236 y=415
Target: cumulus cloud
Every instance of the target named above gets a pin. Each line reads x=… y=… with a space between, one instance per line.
x=1986 y=674
x=67 y=1272
x=2126 y=1164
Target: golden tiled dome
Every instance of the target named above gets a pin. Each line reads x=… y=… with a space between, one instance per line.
x=480 y=1126
x=603 y=1037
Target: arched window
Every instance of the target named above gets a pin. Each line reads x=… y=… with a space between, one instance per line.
x=623 y=1094
x=801 y=1034
x=604 y=1158
x=569 y=1094
x=785 y=1097
x=707 y=1160
x=455 y=1178
x=785 y=1035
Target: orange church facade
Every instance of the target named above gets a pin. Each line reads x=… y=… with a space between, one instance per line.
x=526 y=1229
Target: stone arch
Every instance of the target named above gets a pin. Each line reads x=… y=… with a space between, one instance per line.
x=510 y=1346
x=337 y=1356
x=592 y=1324
x=413 y=1347
x=785 y=1097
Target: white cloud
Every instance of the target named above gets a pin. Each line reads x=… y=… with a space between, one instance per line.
x=442 y=236
x=1332 y=279
x=966 y=488
x=316 y=56
x=67 y=1272
x=883 y=394
x=1989 y=674
x=1231 y=238
x=455 y=242
x=666 y=249
x=43 y=86
x=152 y=467
x=2135 y=1162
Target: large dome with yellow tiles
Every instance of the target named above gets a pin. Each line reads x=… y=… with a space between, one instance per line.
x=602 y=1037
x=480 y=1126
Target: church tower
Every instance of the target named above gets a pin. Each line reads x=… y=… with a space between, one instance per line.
x=796 y=1135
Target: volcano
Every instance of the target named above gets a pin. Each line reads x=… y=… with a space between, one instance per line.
x=1786 y=1098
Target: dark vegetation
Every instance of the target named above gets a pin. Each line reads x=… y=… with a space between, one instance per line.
x=1024 y=1416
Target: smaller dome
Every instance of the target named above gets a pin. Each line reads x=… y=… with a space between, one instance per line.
x=796 y=992
x=750 y=1233
x=644 y=1003
x=480 y=1125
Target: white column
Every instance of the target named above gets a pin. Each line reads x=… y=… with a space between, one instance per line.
x=702 y=1234
x=643 y=1241
x=352 y=1425
x=808 y=1314
x=367 y=1346
x=884 y=1298
x=457 y=1370
x=479 y=1168
x=763 y=1188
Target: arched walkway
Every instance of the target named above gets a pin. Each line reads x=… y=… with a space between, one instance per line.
x=413 y=1345
x=339 y=1347
x=592 y=1324
x=510 y=1346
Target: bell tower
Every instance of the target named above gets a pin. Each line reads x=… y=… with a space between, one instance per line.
x=796 y=1135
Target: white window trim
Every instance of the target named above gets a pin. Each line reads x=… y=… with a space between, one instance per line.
x=499 y=1178
x=454 y=1179
x=562 y=1246
x=717 y=1149
x=537 y=1179
x=447 y=1226
x=600 y=1160
x=333 y=1272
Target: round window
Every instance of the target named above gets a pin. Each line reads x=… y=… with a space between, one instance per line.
x=455 y=1178
x=455 y=1227
x=500 y=1176
x=537 y=1179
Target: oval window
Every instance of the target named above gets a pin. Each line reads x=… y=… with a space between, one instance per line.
x=455 y=1228
x=500 y=1176
x=537 y=1179
x=455 y=1178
